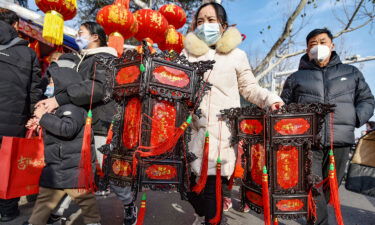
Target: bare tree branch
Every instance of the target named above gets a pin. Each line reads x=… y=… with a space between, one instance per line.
x=283 y=36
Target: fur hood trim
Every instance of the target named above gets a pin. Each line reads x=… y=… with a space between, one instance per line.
x=228 y=41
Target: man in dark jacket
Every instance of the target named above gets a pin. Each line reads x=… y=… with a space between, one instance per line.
x=323 y=78
x=19 y=90
x=63 y=138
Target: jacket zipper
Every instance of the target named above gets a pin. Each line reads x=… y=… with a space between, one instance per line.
x=324 y=70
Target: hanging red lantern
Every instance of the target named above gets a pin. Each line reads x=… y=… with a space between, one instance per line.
x=174 y=14
x=118 y=22
x=56 y=12
x=174 y=40
x=151 y=24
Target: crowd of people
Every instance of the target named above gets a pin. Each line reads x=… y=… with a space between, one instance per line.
x=59 y=106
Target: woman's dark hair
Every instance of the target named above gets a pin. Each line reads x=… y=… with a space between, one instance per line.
x=371 y=124
x=8 y=16
x=220 y=13
x=95 y=28
x=316 y=32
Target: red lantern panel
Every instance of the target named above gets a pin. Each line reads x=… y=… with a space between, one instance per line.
x=132 y=117
x=257 y=162
x=170 y=76
x=294 y=126
x=254 y=198
x=161 y=172
x=253 y=127
x=128 y=75
x=122 y=168
x=287 y=167
x=290 y=205
x=163 y=122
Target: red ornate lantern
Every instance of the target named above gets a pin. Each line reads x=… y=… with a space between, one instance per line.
x=151 y=24
x=118 y=22
x=174 y=14
x=174 y=40
x=56 y=12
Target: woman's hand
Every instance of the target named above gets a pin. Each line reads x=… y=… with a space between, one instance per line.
x=32 y=124
x=49 y=104
x=277 y=105
x=39 y=112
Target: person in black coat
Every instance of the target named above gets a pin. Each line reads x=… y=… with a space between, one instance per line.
x=63 y=138
x=323 y=78
x=20 y=89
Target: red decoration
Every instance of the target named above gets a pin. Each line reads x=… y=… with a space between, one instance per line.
x=171 y=76
x=56 y=12
x=174 y=40
x=287 y=167
x=251 y=127
x=118 y=22
x=161 y=172
x=175 y=15
x=266 y=198
x=132 y=117
x=254 y=198
x=163 y=122
x=290 y=205
x=142 y=211
x=218 y=189
x=122 y=168
x=294 y=126
x=128 y=75
x=258 y=160
x=151 y=24
x=201 y=184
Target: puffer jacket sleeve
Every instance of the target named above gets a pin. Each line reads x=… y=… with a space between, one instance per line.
x=364 y=101
x=66 y=126
x=249 y=87
x=80 y=93
x=287 y=95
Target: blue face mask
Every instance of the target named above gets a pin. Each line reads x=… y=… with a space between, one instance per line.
x=209 y=33
x=49 y=91
x=82 y=42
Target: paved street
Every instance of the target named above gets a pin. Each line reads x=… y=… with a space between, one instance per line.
x=168 y=209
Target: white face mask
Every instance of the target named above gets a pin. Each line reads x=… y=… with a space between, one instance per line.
x=320 y=52
x=209 y=33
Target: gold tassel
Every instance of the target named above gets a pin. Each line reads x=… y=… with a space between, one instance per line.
x=53 y=28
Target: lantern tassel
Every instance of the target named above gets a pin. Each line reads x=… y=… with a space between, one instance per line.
x=204 y=168
x=86 y=179
x=167 y=144
x=238 y=170
x=266 y=198
x=53 y=28
x=216 y=220
x=116 y=41
x=311 y=207
x=334 y=195
x=142 y=211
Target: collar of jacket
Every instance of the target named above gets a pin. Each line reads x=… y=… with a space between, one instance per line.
x=230 y=39
x=306 y=64
x=93 y=51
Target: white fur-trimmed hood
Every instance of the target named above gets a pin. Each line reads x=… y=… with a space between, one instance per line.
x=230 y=39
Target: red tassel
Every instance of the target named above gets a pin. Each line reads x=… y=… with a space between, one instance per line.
x=86 y=178
x=275 y=221
x=311 y=207
x=116 y=41
x=266 y=198
x=231 y=182
x=219 y=207
x=167 y=144
x=238 y=170
x=142 y=211
x=109 y=134
x=198 y=188
x=334 y=195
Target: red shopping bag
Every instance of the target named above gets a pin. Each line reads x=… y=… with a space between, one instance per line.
x=21 y=163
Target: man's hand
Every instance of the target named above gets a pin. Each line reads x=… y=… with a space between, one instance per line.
x=276 y=105
x=39 y=112
x=49 y=104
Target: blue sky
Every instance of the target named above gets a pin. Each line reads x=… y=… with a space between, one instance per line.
x=253 y=16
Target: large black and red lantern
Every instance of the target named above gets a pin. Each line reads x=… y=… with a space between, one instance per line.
x=155 y=94
x=174 y=14
x=118 y=22
x=151 y=24
x=281 y=141
x=56 y=12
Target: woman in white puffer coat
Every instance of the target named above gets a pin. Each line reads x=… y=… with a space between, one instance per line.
x=231 y=76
